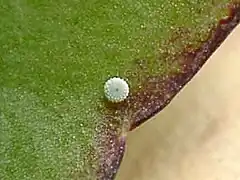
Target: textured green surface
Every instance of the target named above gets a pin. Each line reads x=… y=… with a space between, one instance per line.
x=54 y=59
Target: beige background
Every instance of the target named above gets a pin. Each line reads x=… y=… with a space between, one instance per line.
x=197 y=136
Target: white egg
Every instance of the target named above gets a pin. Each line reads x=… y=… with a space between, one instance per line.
x=116 y=89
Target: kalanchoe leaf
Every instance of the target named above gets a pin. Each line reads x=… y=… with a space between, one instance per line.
x=55 y=57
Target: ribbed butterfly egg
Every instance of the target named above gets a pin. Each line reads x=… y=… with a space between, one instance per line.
x=116 y=89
